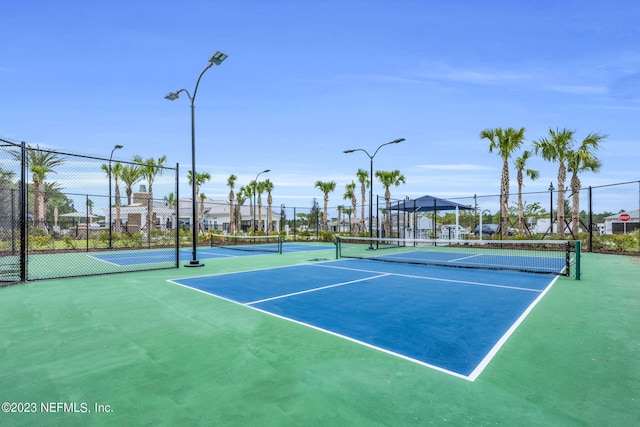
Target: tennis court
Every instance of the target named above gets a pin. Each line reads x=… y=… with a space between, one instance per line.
x=161 y=354
x=124 y=258
x=453 y=321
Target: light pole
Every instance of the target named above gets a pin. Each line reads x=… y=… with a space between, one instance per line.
x=551 y=208
x=255 y=189
x=395 y=141
x=116 y=147
x=215 y=59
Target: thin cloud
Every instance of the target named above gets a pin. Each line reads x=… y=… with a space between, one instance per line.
x=461 y=75
x=579 y=89
x=456 y=167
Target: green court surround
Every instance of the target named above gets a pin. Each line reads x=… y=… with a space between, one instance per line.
x=160 y=354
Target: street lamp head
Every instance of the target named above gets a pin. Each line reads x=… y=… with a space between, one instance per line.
x=217 y=58
x=348 y=151
x=395 y=141
x=266 y=170
x=172 y=96
x=117 y=147
x=551 y=187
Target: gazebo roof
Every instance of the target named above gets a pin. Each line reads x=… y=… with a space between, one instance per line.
x=428 y=204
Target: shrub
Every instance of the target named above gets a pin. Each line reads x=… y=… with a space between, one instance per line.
x=326 y=236
x=619 y=243
x=68 y=242
x=44 y=241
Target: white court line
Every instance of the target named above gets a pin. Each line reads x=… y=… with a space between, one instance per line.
x=465 y=257
x=309 y=325
x=105 y=261
x=438 y=279
x=471 y=377
x=494 y=350
x=316 y=289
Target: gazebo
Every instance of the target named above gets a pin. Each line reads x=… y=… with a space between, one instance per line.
x=429 y=204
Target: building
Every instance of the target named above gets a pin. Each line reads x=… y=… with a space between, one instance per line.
x=613 y=224
x=216 y=217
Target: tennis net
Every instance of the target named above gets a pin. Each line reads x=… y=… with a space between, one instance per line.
x=536 y=256
x=248 y=243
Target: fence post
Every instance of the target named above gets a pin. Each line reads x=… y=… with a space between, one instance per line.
x=23 y=212
x=176 y=210
x=590 y=220
x=578 y=259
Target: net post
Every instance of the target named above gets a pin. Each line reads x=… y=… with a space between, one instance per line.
x=337 y=243
x=577 y=254
x=280 y=243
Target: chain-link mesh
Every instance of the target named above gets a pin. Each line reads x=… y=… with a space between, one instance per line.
x=605 y=218
x=65 y=215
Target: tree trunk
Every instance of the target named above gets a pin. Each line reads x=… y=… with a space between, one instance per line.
x=117 y=194
x=562 y=176
x=364 y=201
x=521 y=224
x=575 y=208
x=231 y=213
x=504 y=209
x=269 y=213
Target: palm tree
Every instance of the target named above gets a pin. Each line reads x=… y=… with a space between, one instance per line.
x=326 y=187
x=520 y=165
x=259 y=190
x=248 y=192
x=90 y=206
x=581 y=160
x=51 y=190
x=203 y=197
x=348 y=212
x=350 y=194
x=363 y=178
x=241 y=197
x=41 y=163
x=231 y=182
x=201 y=178
x=268 y=187
x=505 y=142
x=130 y=175
x=116 y=171
x=170 y=200
x=387 y=179
x=340 y=209
x=149 y=168
x=53 y=196
x=556 y=148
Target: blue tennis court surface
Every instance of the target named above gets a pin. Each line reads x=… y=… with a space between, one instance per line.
x=168 y=255
x=470 y=259
x=453 y=320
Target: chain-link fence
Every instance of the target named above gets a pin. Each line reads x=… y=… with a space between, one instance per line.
x=65 y=215
x=605 y=218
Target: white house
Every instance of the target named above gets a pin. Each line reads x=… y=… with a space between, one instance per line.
x=216 y=215
x=614 y=224
x=134 y=219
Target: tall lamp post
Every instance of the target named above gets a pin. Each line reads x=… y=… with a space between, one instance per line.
x=255 y=189
x=551 y=208
x=116 y=147
x=215 y=59
x=395 y=141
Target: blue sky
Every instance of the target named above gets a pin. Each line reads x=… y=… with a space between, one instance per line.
x=306 y=80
